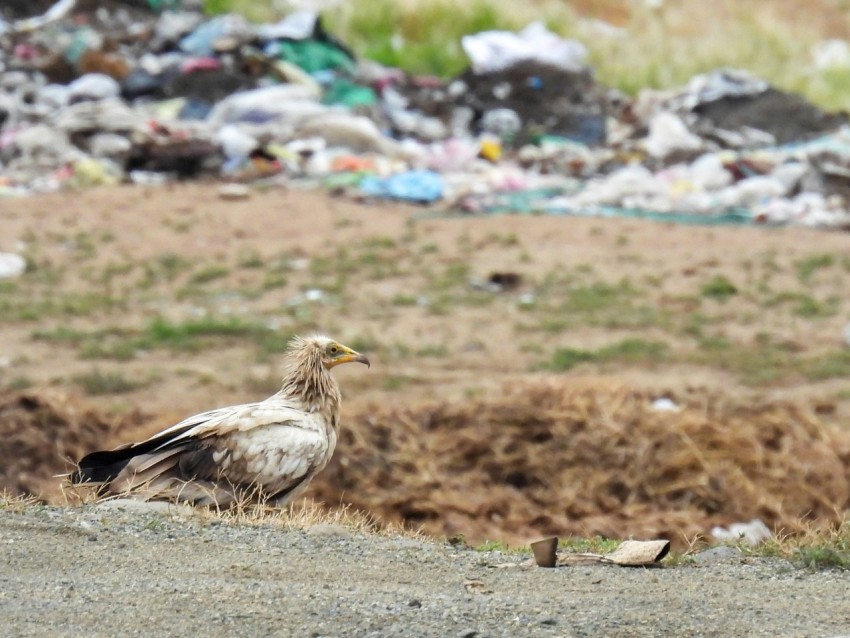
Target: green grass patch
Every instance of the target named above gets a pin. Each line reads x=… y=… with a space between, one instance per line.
x=186 y=336
x=504 y=548
x=804 y=305
x=97 y=382
x=718 y=287
x=835 y=364
x=824 y=556
x=16 y=309
x=632 y=350
x=806 y=268
x=615 y=306
x=208 y=274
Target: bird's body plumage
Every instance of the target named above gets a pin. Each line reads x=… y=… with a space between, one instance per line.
x=270 y=449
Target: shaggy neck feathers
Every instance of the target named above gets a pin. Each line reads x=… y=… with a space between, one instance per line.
x=308 y=382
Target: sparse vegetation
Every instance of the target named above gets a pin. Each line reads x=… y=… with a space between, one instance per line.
x=98 y=382
x=633 y=351
x=718 y=287
x=807 y=267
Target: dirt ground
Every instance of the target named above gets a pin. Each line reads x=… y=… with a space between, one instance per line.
x=155 y=303
x=100 y=261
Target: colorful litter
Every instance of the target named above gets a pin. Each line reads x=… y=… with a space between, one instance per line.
x=150 y=92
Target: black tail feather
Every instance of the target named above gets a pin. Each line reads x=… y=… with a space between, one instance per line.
x=105 y=465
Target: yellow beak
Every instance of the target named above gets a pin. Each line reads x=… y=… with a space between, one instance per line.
x=349 y=356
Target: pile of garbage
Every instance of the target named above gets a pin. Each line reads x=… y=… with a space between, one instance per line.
x=148 y=91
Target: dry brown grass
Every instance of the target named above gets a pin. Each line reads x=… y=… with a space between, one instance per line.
x=554 y=457
x=551 y=456
x=304 y=514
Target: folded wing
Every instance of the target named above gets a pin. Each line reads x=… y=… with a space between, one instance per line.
x=218 y=457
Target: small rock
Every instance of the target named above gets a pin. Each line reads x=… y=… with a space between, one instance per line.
x=233 y=192
x=469 y=633
x=414 y=603
x=549 y=621
x=133 y=506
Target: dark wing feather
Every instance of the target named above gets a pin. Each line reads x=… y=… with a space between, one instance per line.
x=103 y=466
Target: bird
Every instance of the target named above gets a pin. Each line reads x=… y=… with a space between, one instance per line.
x=267 y=451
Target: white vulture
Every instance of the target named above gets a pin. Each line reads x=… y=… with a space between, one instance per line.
x=270 y=450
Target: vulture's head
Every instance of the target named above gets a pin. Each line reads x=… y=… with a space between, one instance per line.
x=320 y=350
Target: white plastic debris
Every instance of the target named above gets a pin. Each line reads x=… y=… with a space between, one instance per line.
x=54 y=13
x=719 y=84
x=752 y=533
x=805 y=209
x=831 y=54
x=707 y=173
x=631 y=180
x=298 y=25
x=234 y=142
x=665 y=404
x=109 y=145
x=43 y=145
x=491 y=51
x=104 y=115
x=11 y=265
x=93 y=86
x=356 y=132
x=501 y=122
x=172 y=25
x=283 y=102
x=668 y=134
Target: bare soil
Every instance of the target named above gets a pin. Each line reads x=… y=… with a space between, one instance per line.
x=158 y=303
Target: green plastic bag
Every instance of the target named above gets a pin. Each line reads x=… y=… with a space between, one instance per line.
x=315 y=55
x=349 y=94
x=163 y=5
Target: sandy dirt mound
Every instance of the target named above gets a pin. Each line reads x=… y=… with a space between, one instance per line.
x=555 y=458
x=41 y=433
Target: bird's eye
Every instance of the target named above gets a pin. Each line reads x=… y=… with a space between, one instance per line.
x=333 y=349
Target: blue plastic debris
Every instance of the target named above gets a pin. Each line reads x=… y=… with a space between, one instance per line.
x=412 y=186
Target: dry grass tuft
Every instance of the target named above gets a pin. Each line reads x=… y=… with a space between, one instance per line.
x=10 y=502
x=304 y=514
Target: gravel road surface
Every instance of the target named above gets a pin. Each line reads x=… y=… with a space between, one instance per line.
x=110 y=571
